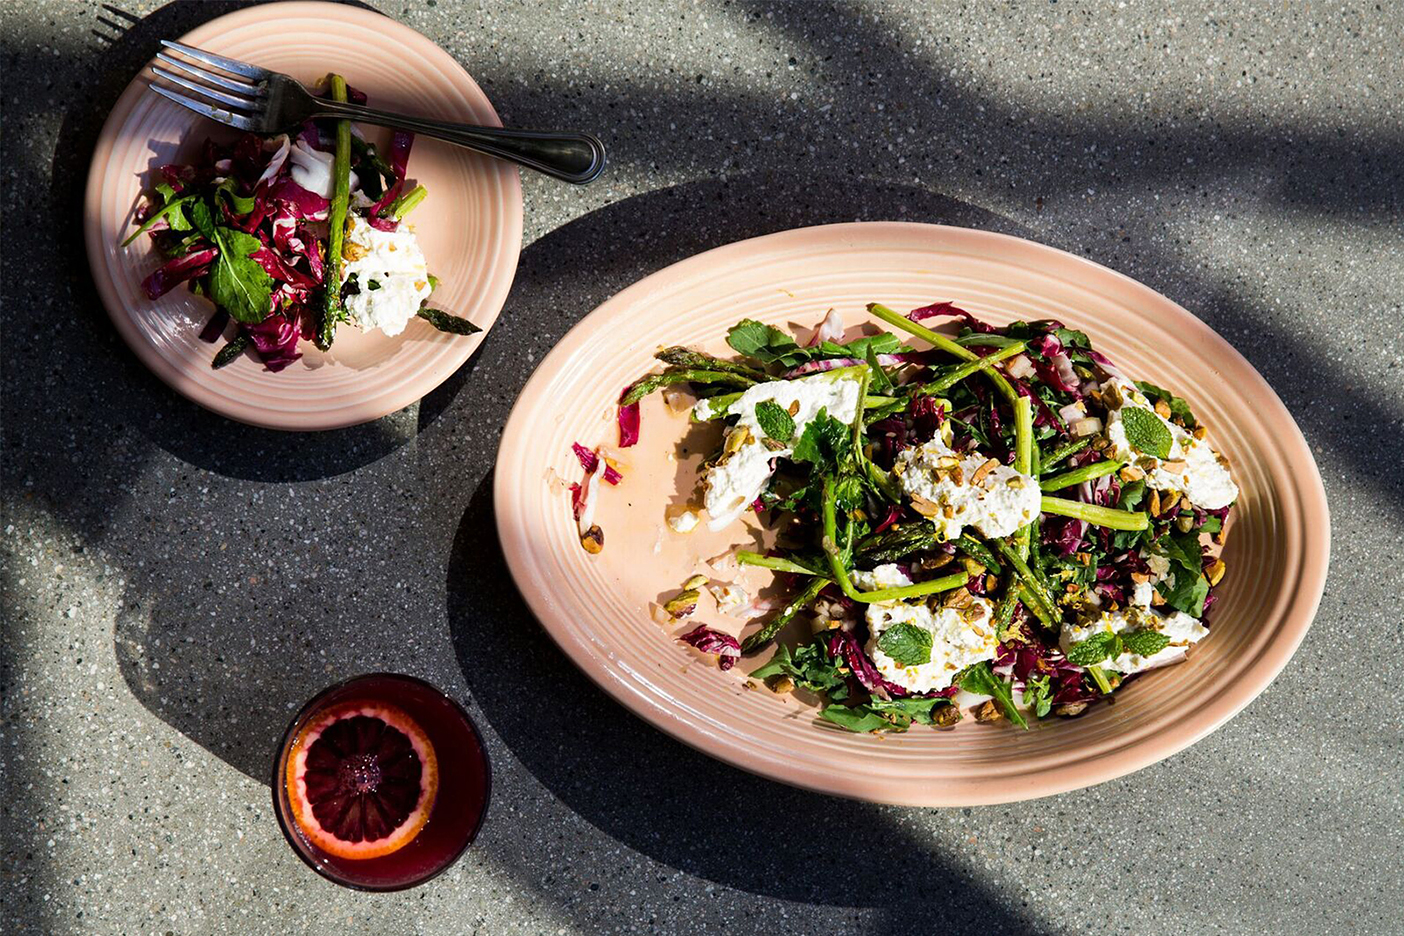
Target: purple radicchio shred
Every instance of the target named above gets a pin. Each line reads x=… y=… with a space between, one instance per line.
x=275 y=339
x=1063 y=535
x=628 y=419
x=398 y=158
x=215 y=326
x=707 y=640
x=927 y=416
x=182 y=268
x=949 y=308
x=588 y=461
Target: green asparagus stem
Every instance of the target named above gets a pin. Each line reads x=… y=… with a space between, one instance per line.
x=370 y=154
x=797 y=604
x=686 y=357
x=444 y=322
x=1036 y=608
x=1042 y=605
x=657 y=381
x=746 y=557
x=979 y=552
x=840 y=569
x=1100 y=678
x=1079 y=475
x=1109 y=517
x=896 y=542
x=1072 y=448
x=961 y=372
x=407 y=202
x=1023 y=460
x=981 y=340
x=332 y=310
x=942 y=342
x=716 y=407
x=231 y=351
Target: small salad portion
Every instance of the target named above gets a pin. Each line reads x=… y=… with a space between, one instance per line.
x=290 y=237
x=1001 y=521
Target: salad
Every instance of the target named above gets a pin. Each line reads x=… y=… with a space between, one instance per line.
x=1001 y=522
x=291 y=237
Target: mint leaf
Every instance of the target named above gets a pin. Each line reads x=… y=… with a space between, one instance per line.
x=907 y=644
x=237 y=283
x=774 y=421
x=1145 y=642
x=1188 y=593
x=1179 y=409
x=1184 y=550
x=759 y=341
x=859 y=718
x=1146 y=432
x=979 y=679
x=1094 y=649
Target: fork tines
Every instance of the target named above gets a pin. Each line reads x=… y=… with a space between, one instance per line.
x=222 y=89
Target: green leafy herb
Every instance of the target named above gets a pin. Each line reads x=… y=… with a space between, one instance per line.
x=1187 y=594
x=761 y=342
x=774 y=421
x=810 y=666
x=878 y=381
x=981 y=680
x=1095 y=649
x=1146 y=432
x=825 y=444
x=1072 y=338
x=1179 y=409
x=1038 y=694
x=372 y=284
x=237 y=283
x=859 y=718
x=1184 y=550
x=1131 y=495
x=238 y=204
x=1145 y=642
x=907 y=644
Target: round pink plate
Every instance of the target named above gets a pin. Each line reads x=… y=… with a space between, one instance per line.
x=598 y=607
x=470 y=226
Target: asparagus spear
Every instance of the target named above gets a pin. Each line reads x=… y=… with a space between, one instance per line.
x=797 y=604
x=231 y=351
x=1079 y=475
x=1109 y=517
x=657 y=381
x=686 y=357
x=445 y=322
x=332 y=310
x=407 y=202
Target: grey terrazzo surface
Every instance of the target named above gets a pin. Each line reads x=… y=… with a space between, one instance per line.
x=175 y=584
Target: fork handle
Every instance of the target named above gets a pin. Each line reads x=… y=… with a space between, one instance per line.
x=566 y=155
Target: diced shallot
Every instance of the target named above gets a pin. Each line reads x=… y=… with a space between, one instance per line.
x=1073 y=412
x=1019 y=366
x=1086 y=426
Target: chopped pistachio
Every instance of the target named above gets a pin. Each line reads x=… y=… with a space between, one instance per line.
x=592 y=539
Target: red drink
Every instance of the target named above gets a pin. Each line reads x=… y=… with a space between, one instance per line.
x=381 y=782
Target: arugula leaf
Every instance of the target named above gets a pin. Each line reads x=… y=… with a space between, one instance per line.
x=238 y=283
x=1179 y=409
x=774 y=421
x=1210 y=525
x=810 y=666
x=907 y=644
x=764 y=343
x=1145 y=642
x=239 y=204
x=859 y=718
x=1072 y=338
x=979 y=679
x=825 y=443
x=918 y=710
x=1038 y=695
x=1145 y=432
x=1095 y=649
x=878 y=381
x=203 y=220
x=1188 y=593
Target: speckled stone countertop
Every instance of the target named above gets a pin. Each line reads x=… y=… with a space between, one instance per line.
x=174 y=584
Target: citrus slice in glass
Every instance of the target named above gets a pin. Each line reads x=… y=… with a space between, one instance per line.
x=361 y=780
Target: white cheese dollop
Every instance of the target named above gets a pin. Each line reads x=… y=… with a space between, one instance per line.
x=684 y=521
x=1182 y=630
x=1000 y=503
x=312 y=169
x=958 y=637
x=729 y=596
x=735 y=481
x=1197 y=472
x=391 y=274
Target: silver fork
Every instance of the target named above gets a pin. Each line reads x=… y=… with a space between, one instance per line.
x=252 y=98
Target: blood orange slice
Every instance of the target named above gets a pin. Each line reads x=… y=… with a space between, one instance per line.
x=362 y=777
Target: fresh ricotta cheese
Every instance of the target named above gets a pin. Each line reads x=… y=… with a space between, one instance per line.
x=391 y=275
x=1192 y=467
x=960 y=492
x=747 y=463
x=1182 y=630
x=959 y=637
